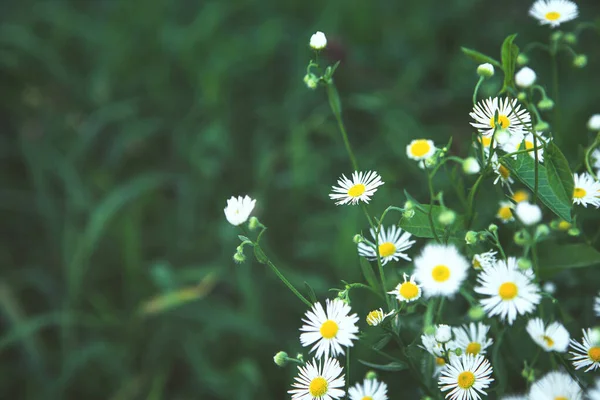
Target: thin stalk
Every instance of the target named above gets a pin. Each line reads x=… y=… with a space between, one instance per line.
x=535 y=170
x=347 y=372
x=334 y=99
x=379 y=263
x=481 y=79
x=288 y=284
x=430 y=213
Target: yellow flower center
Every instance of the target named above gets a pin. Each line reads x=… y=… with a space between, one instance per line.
x=386 y=249
x=440 y=273
x=473 y=348
x=502 y=119
x=579 y=193
x=367 y=398
x=329 y=329
x=508 y=291
x=561 y=398
x=440 y=361
x=528 y=145
x=420 y=147
x=548 y=340
x=476 y=263
x=374 y=317
x=486 y=141
x=409 y=290
x=466 y=379
x=564 y=225
x=318 y=387
x=520 y=195
x=504 y=172
x=594 y=353
x=505 y=213
x=356 y=190
x=552 y=16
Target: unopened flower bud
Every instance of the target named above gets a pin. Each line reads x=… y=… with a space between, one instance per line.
x=358 y=239
x=447 y=217
x=545 y=104
x=486 y=70
x=521 y=238
x=318 y=41
x=524 y=264
x=574 y=232
x=281 y=359
x=525 y=77
x=239 y=257
x=549 y=287
x=430 y=162
x=556 y=36
x=542 y=126
x=311 y=81
x=493 y=228
x=371 y=375
x=476 y=313
x=471 y=237
x=409 y=205
x=443 y=333
x=458 y=351
x=522 y=96
x=570 y=38
x=580 y=61
x=522 y=59
x=471 y=166
x=300 y=356
x=594 y=123
x=408 y=214
x=253 y=223
x=542 y=231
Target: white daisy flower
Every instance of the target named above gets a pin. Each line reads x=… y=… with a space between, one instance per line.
x=555 y=385
x=526 y=142
x=529 y=214
x=371 y=389
x=393 y=242
x=435 y=348
x=553 y=12
x=549 y=287
x=554 y=337
x=443 y=333
x=586 y=191
x=502 y=174
x=319 y=380
x=362 y=186
x=466 y=377
x=440 y=269
x=586 y=353
x=408 y=290
x=525 y=77
x=238 y=209
x=597 y=305
x=505 y=212
x=376 y=317
x=508 y=291
x=472 y=339
x=594 y=393
x=510 y=116
x=594 y=123
x=484 y=260
x=520 y=195
x=330 y=330
x=318 y=40
x=420 y=149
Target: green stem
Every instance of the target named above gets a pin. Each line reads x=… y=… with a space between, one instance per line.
x=379 y=263
x=430 y=213
x=347 y=372
x=287 y=283
x=535 y=170
x=555 y=95
x=481 y=79
x=471 y=199
x=334 y=103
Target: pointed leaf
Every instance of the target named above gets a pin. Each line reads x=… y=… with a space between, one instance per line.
x=479 y=57
x=560 y=176
x=509 y=54
x=555 y=258
x=369 y=275
x=393 y=366
x=311 y=293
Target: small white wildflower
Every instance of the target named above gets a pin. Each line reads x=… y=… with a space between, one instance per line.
x=318 y=41
x=525 y=77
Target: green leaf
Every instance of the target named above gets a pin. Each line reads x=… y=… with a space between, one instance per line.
x=382 y=342
x=393 y=366
x=419 y=225
x=523 y=168
x=334 y=99
x=554 y=258
x=479 y=57
x=311 y=293
x=369 y=275
x=509 y=54
x=243 y=238
x=560 y=176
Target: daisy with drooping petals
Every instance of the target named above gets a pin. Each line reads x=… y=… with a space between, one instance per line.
x=420 y=149
x=502 y=174
x=393 y=242
x=408 y=290
x=484 y=260
x=510 y=116
x=472 y=339
x=466 y=376
x=376 y=317
x=371 y=389
x=586 y=190
x=597 y=305
x=440 y=269
x=238 y=209
x=505 y=212
x=508 y=291
x=520 y=195
x=553 y=12
x=586 y=353
x=330 y=330
x=319 y=380
x=554 y=337
x=555 y=385
x=362 y=186
x=526 y=142
x=435 y=348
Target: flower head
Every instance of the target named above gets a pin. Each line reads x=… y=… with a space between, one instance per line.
x=527 y=142
x=505 y=212
x=466 y=376
x=440 y=269
x=553 y=337
x=528 y=214
x=420 y=149
x=594 y=123
x=508 y=291
x=555 y=385
x=319 y=380
x=471 y=166
x=238 y=209
x=520 y=195
x=362 y=186
x=408 y=290
x=330 y=330
x=472 y=339
x=486 y=70
x=525 y=77
x=510 y=116
x=553 y=12
x=318 y=41
x=435 y=348
x=443 y=333
x=502 y=173
x=376 y=317
x=393 y=242
x=371 y=389
x=484 y=260
x=585 y=354
x=586 y=190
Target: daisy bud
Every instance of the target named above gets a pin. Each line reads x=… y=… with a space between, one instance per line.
x=443 y=333
x=521 y=238
x=253 y=223
x=358 y=239
x=542 y=126
x=580 y=61
x=529 y=214
x=485 y=70
x=281 y=359
x=458 y=352
x=471 y=166
x=570 y=38
x=594 y=123
x=549 y=287
x=430 y=162
x=545 y=104
x=525 y=77
x=541 y=231
x=556 y=36
x=300 y=356
x=524 y=264
x=408 y=214
x=476 y=313
x=409 y=205
x=471 y=237
x=311 y=81
x=239 y=258
x=318 y=41
x=522 y=96
x=447 y=217
x=493 y=228
x=522 y=59
x=371 y=375
x=573 y=232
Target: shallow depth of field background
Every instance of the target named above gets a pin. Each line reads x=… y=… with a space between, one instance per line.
x=125 y=126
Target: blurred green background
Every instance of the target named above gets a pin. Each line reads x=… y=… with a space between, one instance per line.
x=126 y=126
